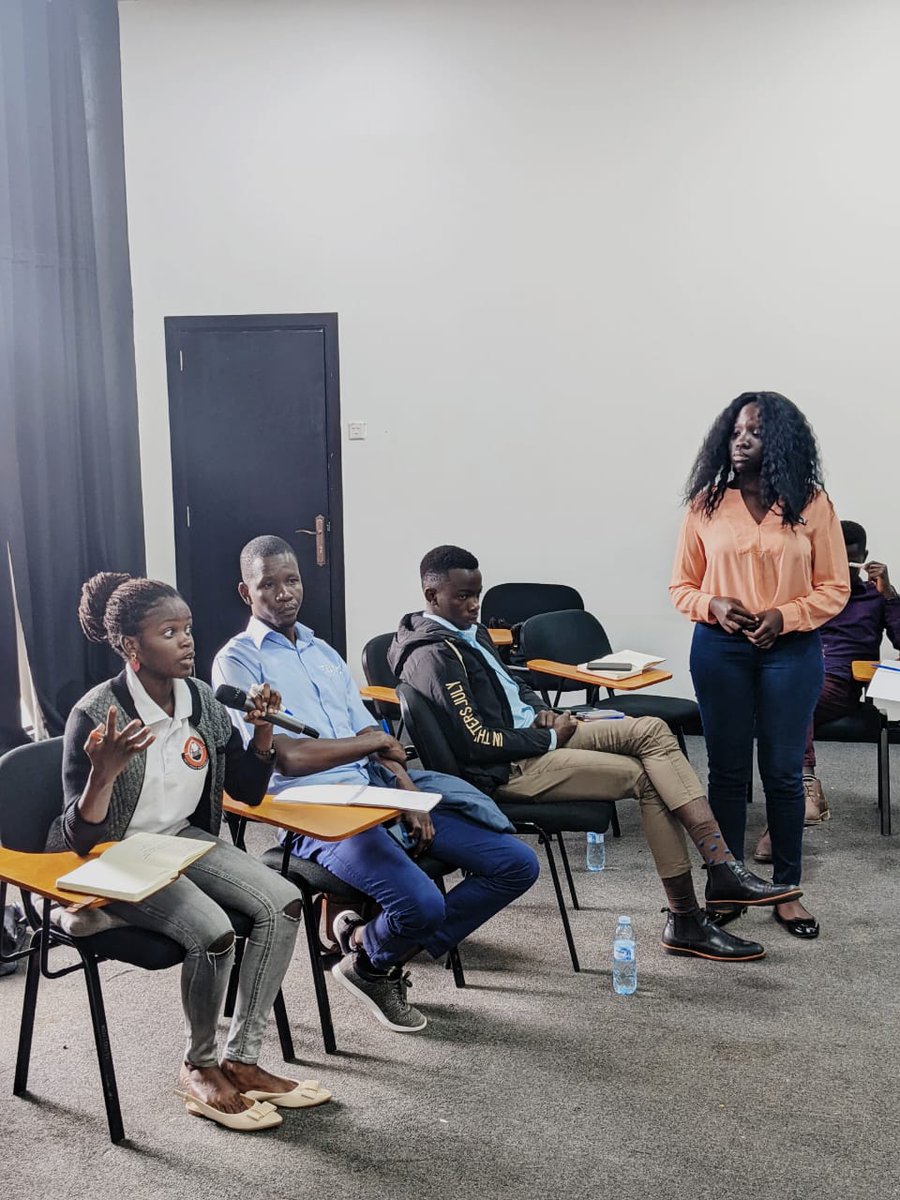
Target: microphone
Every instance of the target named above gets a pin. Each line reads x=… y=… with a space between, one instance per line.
x=233 y=697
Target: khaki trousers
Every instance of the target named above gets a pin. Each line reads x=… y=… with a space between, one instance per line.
x=612 y=760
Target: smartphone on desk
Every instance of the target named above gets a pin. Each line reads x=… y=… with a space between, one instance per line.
x=599 y=665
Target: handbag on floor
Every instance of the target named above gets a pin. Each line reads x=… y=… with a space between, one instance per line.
x=13 y=934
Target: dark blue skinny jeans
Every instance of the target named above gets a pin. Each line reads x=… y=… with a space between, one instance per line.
x=774 y=692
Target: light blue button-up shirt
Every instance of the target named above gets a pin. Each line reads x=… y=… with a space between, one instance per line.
x=315 y=684
x=522 y=714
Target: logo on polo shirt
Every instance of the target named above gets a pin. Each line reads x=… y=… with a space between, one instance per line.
x=194 y=753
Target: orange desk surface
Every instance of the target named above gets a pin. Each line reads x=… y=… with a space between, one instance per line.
x=385 y=694
x=863 y=670
x=330 y=823
x=38 y=873
x=546 y=666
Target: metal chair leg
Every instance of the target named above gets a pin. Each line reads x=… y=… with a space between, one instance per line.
x=283 y=1026
x=234 y=978
x=454 y=964
x=318 y=971
x=26 y=1027
x=104 y=1051
x=568 y=870
x=547 y=843
x=884 y=777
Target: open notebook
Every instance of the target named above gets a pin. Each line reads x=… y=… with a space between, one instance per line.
x=136 y=867
x=633 y=663
x=351 y=794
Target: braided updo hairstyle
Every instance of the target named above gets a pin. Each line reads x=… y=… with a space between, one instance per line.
x=113 y=605
x=791 y=468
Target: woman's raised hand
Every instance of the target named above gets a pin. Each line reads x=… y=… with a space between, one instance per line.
x=110 y=749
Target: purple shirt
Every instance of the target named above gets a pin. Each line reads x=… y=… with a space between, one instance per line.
x=857 y=631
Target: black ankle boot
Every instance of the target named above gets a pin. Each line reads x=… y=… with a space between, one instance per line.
x=732 y=883
x=694 y=933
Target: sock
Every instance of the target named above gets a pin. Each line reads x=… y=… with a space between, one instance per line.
x=680 y=893
x=703 y=830
x=364 y=965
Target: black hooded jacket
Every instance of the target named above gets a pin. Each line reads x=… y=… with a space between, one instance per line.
x=455 y=677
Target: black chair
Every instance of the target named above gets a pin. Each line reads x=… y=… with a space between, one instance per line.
x=379 y=674
x=513 y=603
x=575 y=637
x=868 y=725
x=31 y=797
x=314 y=883
x=545 y=820
x=507 y=605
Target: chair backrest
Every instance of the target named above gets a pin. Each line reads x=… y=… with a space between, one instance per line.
x=423 y=725
x=377 y=671
x=516 y=602
x=573 y=636
x=31 y=794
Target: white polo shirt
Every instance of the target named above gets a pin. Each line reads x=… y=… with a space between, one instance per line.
x=176 y=763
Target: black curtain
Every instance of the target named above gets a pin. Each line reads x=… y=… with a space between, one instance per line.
x=69 y=456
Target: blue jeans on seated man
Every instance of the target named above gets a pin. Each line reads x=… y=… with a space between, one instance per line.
x=774 y=692
x=414 y=913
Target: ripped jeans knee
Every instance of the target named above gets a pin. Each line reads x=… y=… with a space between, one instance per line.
x=294 y=910
x=221 y=947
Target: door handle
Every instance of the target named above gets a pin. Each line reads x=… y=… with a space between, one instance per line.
x=319 y=534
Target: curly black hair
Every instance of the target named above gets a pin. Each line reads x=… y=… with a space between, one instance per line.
x=113 y=606
x=791 y=467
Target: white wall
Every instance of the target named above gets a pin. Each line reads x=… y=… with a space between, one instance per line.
x=560 y=237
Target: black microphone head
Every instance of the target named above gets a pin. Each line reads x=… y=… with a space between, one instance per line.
x=231 y=697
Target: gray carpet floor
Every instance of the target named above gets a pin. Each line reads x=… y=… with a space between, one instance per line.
x=767 y=1079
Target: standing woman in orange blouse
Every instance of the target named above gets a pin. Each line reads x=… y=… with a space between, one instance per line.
x=760 y=566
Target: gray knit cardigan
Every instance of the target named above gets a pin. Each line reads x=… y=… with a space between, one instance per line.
x=231 y=767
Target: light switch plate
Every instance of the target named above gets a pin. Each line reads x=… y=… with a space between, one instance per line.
x=356 y=431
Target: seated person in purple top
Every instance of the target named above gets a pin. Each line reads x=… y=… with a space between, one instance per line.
x=464 y=830
x=872 y=611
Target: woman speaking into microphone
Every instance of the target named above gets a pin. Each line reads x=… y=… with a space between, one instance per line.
x=152 y=751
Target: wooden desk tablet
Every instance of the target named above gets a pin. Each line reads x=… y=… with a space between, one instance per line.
x=546 y=666
x=863 y=670
x=386 y=695
x=38 y=873
x=329 y=823
x=501 y=637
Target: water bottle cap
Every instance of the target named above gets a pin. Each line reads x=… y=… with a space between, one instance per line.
x=624 y=920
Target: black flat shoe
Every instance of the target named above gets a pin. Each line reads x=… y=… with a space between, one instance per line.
x=801 y=927
x=732 y=883
x=693 y=933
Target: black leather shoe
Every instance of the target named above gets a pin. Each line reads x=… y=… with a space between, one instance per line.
x=724 y=914
x=732 y=883
x=694 y=933
x=801 y=927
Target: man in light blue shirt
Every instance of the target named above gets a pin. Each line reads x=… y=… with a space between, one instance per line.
x=465 y=829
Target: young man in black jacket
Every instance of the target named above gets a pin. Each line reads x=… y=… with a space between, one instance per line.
x=511 y=745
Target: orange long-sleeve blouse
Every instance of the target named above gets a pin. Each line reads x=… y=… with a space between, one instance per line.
x=803 y=572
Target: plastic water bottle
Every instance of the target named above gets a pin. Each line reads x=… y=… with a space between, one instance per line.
x=596 y=852
x=624 y=964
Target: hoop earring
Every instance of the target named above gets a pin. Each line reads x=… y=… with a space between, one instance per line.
x=135 y=663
